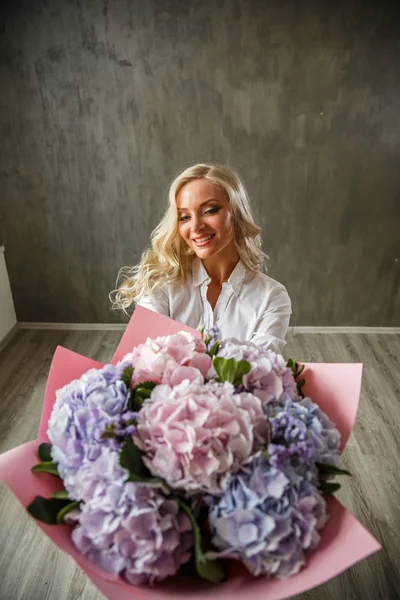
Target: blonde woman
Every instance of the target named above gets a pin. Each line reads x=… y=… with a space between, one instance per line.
x=204 y=266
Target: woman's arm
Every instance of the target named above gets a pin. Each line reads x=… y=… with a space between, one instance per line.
x=271 y=329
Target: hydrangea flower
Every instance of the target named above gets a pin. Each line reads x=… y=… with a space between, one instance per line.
x=194 y=436
x=129 y=529
x=300 y=428
x=269 y=376
x=170 y=360
x=81 y=413
x=290 y=441
x=213 y=333
x=266 y=519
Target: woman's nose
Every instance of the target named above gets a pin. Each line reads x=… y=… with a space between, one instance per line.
x=197 y=223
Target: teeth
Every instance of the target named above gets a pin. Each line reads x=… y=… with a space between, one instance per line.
x=204 y=239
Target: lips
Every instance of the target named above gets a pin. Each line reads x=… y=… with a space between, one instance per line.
x=203 y=241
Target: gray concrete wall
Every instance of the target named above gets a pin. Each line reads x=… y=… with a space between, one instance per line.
x=102 y=103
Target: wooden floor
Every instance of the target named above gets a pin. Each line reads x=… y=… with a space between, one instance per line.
x=31 y=568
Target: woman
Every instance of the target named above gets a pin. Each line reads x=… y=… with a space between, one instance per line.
x=204 y=264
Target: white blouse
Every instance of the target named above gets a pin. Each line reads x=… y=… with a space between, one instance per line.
x=251 y=306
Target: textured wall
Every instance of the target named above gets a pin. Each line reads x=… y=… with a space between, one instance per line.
x=102 y=103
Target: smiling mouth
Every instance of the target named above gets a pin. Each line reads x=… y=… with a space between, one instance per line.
x=204 y=240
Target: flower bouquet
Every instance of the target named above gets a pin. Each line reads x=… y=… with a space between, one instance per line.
x=201 y=465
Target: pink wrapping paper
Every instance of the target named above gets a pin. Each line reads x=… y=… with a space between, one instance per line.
x=344 y=541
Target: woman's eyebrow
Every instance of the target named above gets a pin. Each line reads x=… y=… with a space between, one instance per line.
x=203 y=203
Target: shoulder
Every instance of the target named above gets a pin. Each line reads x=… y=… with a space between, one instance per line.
x=269 y=291
x=263 y=282
x=158 y=301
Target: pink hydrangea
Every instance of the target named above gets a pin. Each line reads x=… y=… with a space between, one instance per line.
x=269 y=377
x=195 y=436
x=170 y=360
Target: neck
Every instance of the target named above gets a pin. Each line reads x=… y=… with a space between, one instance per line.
x=220 y=267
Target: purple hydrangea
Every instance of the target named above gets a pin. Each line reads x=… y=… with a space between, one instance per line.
x=268 y=519
x=301 y=433
x=129 y=529
x=81 y=413
x=291 y=443
x=214 y=334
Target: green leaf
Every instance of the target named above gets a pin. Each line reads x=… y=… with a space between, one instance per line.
x=143 y=392
x=328 y=488
x=147 y=385
x=139 y=394
x=211 y=570
x=214 y=349
x=325 y=469
x=46 y=509
x=46 y=467
x=127 y=376
x=44 y=452
x=62 y=495
x=65 y=510
x=242 y=367
x=131 y=459
x=294 y=366
x=225 y=368
x=300 y=385
x=135 y=402
x=230 y=369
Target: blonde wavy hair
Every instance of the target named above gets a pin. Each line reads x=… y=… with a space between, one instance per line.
x=169 y=258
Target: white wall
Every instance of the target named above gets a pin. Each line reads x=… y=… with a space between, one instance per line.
x=7 y=312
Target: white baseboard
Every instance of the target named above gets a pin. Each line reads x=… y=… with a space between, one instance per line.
x=8 y=317
x=122 y=326
x=344 y=329
x=74 y=326
x=8 y=336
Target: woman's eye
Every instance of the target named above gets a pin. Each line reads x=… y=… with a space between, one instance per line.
x=210 y=211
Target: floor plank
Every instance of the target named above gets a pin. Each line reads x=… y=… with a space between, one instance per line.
x=31 y=568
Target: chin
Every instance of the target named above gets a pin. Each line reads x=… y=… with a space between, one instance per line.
x=205 y=252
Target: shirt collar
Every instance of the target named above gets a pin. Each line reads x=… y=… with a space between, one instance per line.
x=200 y=275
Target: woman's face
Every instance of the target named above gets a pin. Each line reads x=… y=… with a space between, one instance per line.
x=205 y=220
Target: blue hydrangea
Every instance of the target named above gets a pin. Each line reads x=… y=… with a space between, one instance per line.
x=301 y=434
x=80 y=415
x=267 y=518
